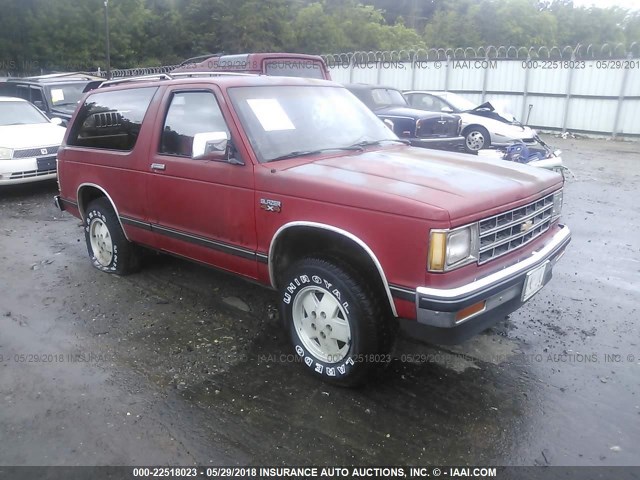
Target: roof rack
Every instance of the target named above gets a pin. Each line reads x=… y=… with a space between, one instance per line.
x=142 y=78
x=212 y=74
x=171 y=76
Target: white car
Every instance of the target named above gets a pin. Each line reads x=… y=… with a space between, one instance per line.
x=482 y=126
x=29 y=142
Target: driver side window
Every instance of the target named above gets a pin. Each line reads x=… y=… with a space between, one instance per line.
x=190 y=113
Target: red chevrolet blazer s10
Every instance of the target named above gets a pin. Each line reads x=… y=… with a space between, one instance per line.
x=295 y=184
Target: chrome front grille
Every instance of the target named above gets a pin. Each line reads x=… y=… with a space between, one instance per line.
x=507 y=231
x=35 y=152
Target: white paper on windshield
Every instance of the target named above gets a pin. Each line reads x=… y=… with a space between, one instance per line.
x=57 y=95
x=270 y=114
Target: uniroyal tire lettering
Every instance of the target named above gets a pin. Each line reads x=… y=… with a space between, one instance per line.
x=320 y=367
x=345 y=305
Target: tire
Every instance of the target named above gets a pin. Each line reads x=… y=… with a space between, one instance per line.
x=107 y=246
x=476 y=138
x=333 y=319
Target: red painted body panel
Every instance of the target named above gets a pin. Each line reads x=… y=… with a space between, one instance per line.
x=388 y=197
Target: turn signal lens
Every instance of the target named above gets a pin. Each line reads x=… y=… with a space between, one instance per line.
x=470 y=310
x=437 y=251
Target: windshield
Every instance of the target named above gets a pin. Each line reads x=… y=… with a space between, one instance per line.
x=385 y=97
x=20 y=113
x=65 y=95
x=284 y=119
x=457 y=102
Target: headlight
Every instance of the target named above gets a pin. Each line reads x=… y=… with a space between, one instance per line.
x=557 y=204
x=449 y=249
x=6 y=153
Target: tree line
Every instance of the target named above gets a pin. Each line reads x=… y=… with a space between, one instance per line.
x=66 y=35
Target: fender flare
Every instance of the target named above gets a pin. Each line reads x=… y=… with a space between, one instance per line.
x=339 y=231
x=82 y=207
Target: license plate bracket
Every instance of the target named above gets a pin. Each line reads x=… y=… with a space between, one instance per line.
x=534 y=281
x=46 y=164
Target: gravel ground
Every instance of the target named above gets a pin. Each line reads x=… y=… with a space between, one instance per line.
x=184 y=365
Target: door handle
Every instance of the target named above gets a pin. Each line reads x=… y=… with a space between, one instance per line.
x=158 y=166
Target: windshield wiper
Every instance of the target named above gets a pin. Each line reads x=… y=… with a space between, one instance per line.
x=369 y=143
x=303 y=153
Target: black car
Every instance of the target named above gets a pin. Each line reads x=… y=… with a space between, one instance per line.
x=56 y=95
x=423 y=129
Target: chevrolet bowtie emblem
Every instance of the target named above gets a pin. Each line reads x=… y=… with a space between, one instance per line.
x=526 y=226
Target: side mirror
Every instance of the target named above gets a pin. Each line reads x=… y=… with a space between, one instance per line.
x=210 y=146
x=446 y=110
x=57 y=121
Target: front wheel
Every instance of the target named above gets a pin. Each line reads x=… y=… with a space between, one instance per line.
x=333 y=320
x=108 y=248
x=476 y=138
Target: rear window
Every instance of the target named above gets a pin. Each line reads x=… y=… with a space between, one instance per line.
x=111 y=120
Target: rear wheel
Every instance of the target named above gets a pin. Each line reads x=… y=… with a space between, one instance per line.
x=476 y=138
x=333 y=319
x=108 y=248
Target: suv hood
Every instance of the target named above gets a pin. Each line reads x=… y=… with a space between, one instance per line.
x=422 y=183
x=65 y=111
x=31 y=136
x=489 y=111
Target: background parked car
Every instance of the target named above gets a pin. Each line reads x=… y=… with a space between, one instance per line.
x=482 y=125
x=430 y=130
x=29 y=142
x=56 y=94
x=274 y=64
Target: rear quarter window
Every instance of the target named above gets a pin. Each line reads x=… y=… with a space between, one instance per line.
x=111 y=120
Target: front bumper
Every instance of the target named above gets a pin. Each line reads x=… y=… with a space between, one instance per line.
x=453 y=144
x=438 y=310
x=26 y=170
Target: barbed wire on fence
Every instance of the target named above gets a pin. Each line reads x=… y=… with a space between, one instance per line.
x=135 y=72
x=500 y=52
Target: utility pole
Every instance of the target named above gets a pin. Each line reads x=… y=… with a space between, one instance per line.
x=106 y=28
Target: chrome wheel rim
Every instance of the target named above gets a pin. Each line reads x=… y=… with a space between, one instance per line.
x=101 y=243
x=321 y=324
x=475 y=140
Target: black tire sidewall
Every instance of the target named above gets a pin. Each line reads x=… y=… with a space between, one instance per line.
x=99 y=210
x=351 y=369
